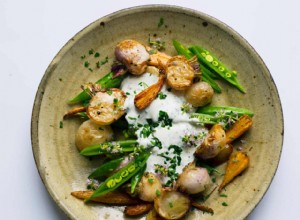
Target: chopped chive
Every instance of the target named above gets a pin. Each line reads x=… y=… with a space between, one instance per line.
x=91 y=51
x=61 y=124
x=224 y=204
x=86 y=64
x=161 y=22
x=157 y=192
x=150 y=181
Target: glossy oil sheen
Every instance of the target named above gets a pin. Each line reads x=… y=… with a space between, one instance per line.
x=63 y=170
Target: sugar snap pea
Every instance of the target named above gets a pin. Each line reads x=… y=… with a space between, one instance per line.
x=213 y=110
x=214 y=64
x=120 y=177
x=107 y=81
x=106 y=168
x=182 y=50
x=206 y=73
x=116 y=147
x=137 y=178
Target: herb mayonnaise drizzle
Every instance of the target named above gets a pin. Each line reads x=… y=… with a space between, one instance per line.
x=164 y=125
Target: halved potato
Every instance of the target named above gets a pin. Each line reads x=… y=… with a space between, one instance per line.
x=171 y=204
x=180 y=73
x=106 y=106
x=148 y=186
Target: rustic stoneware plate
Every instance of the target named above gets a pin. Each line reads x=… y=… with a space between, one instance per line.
x=61 y=167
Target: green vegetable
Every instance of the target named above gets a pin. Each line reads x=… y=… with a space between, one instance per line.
x=215 y=65
x=206 y=119
x=211 y=74
x=106 y=168
x=224 y=204
x=117 y=147
x=207 y=76
x=120 y=177
x=182 y=50
x=229 y=110
x=107 y=81
x=137 y=178
x=161 y=22
x=211 y=82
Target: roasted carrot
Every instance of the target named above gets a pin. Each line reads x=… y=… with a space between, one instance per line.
x=239 y=128
x=74 y=111
x=236 y=164
x=145 y=97
x=112 y=198
x=138 y=209
x=203 y=208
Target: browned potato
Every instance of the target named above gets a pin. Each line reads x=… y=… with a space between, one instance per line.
x=153 y=215
x=180 y=73
x=222 y=156
x=172 y=204
x=214 y=142
x=90 y=133
x=148 y=187
x=133 y=55
x=199 y=94
x=106 y=106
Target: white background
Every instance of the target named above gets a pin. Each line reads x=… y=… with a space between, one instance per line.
x=33 y=31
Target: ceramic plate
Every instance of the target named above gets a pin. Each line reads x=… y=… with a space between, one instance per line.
x=61 y=167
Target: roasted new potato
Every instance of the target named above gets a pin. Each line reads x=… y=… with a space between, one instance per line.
x=199 y=94
x=172 y=204
x=180 y=73
x=90 y=133
x=148 y=187
x=214 y=142
x=105 y=107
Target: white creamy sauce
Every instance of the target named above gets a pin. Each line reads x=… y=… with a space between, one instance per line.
x=167 y=135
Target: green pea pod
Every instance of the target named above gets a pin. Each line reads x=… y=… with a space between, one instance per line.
x=206 y=71
x=213 y=110
x=120 y=177
x=210 y=81
x=204 y=118
x=106 y=168
x=206 y=74
x=137 y=178
x=214 y=64
x=107 y=81
x=182 y=50
x=116 y=147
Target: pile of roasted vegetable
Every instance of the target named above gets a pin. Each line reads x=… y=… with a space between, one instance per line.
x=123 y=178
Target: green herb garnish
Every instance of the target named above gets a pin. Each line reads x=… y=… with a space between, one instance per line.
x=161 y=22
x=162 y=95
x=224 y=204
x=157 y=192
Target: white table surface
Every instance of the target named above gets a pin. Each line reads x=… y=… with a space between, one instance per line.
x=33 y=31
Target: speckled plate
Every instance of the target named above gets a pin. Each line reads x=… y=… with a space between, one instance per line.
x=63 y=170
